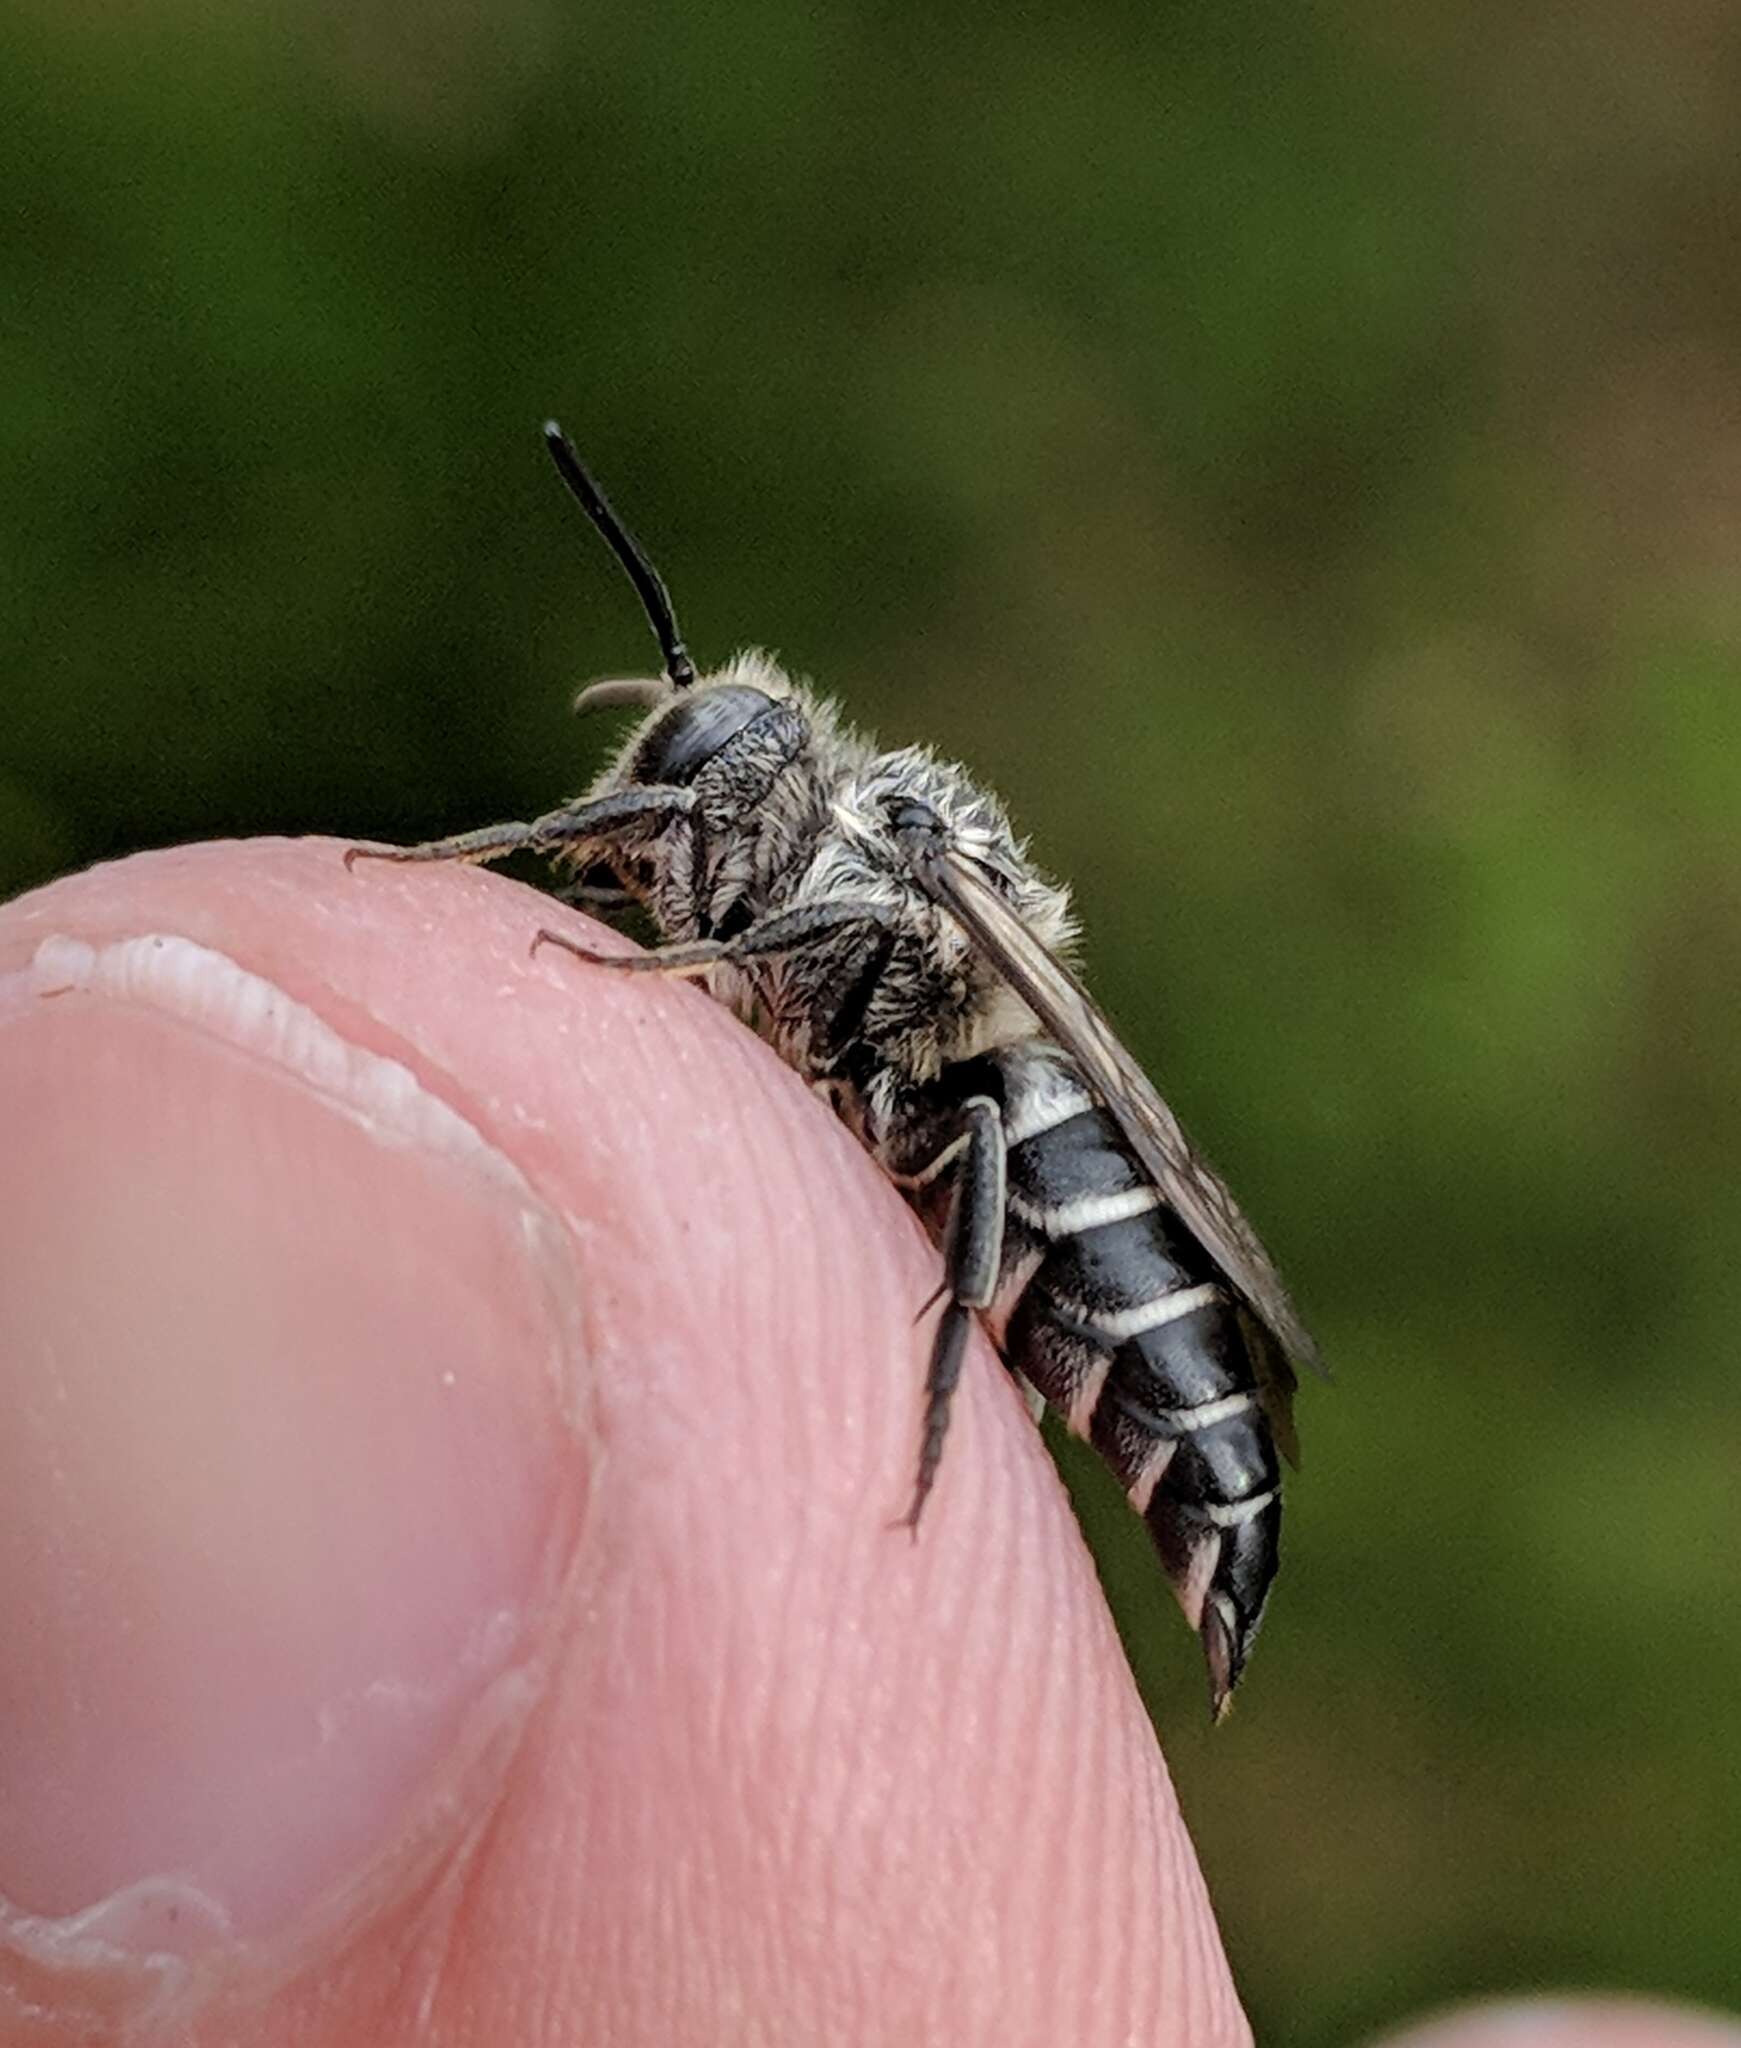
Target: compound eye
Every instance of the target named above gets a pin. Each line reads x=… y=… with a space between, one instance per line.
x=694 y=730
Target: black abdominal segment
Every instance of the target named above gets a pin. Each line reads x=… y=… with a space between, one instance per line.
x=1113 y=1311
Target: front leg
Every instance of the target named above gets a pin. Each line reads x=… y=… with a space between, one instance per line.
x=972 y=1256
x=619 y=815
x=787 y=931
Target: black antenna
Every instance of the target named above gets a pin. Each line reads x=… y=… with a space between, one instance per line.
x=655 y=598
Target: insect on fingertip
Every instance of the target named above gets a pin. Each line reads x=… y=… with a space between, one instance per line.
x=875 y=915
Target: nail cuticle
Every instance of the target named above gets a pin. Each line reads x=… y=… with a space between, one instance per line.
x=68 y=1974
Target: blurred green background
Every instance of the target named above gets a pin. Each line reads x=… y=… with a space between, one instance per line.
x=1295 y=453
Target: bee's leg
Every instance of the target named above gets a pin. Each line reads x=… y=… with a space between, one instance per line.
x=619 y=814
x=915 y=1183
x=595 y=895
x=488 y=842
x=972 y=1255
x=787 y=931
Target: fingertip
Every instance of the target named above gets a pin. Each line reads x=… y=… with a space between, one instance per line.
x=907 y=1782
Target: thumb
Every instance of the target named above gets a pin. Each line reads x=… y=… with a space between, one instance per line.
x=444 y=1550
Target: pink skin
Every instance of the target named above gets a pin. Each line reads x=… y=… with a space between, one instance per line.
x=613 y=1427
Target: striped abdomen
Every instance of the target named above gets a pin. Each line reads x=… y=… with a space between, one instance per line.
x=1116 y=1314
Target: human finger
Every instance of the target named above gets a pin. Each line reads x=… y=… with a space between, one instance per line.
x=470 y=1396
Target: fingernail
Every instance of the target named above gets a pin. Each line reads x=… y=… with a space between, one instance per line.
x=292 y=1378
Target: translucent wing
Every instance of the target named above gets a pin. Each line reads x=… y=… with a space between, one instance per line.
x=1070 y=1015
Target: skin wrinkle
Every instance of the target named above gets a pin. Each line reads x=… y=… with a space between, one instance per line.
x=805 y=1793
x=1024 y=1710
x=1055 y=1892
x=1102 y=1977
x=772 y=1678
x=1094 y=1978
x=1096 y=1794
x=653 y=1735
x=807 y=1800
x=824 y=1795
x=1193 y=1956
x=737 y=1303
x=831 y=1802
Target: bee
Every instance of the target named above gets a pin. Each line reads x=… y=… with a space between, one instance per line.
x=874 y=915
